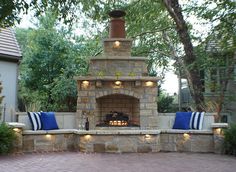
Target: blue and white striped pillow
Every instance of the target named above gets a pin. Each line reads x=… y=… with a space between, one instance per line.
x=35 y=120
x=196 y=120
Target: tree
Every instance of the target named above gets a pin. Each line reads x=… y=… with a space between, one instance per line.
x=153 y=31
x=165 y=102
x=190 y=58
x=49 y=64
x=220 y=46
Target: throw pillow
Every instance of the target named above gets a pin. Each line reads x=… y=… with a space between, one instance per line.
x=48 y=121
x=182 y=120
x=196 y=120
x=35 y=120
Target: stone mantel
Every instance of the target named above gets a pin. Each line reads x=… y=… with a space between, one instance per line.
x=112 y=78
x=119 y=58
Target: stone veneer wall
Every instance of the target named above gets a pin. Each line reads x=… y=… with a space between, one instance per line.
x=120 y=143
x=111 y=66
x=87 y=105
x=50 y=142
x=176 y=142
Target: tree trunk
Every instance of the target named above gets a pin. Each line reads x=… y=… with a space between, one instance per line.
x=192 y=69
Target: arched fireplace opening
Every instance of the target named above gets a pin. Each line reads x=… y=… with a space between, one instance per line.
x=118 y=110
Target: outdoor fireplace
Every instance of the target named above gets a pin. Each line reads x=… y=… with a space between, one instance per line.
x=117 y=92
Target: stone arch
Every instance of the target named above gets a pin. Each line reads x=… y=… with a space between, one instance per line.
x=118 y=91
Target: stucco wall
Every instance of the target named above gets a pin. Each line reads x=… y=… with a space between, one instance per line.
x=8 y=76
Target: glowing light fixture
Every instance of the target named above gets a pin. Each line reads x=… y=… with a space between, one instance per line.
x=147 y=136
x=116 y=44
x=16 y=129
x=118 y=83
x=218 y=131
x=85 y=84
x=48 y=136
x=149 y=83
x=87 y=137
x=186 y=136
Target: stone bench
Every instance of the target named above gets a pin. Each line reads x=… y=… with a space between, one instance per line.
x=166 y=120
x=116 y=141
x=65 y=120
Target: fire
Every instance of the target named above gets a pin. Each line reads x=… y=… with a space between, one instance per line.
x=118 y=123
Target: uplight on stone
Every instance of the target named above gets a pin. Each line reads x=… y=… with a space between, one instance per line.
x=218 y=131
x=87 y=137
x=147 y=136
x=149 y=83
x=186 y=136
x=16 y=129
x=116 y=44
x=48 y=136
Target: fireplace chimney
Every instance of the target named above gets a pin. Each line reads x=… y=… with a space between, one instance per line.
x=117 y=24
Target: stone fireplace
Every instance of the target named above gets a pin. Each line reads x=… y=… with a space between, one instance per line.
x=117 y=92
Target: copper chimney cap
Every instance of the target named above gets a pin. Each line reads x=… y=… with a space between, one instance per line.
x=117 y=24
x=116 y=13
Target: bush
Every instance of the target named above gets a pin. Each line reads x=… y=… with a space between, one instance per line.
x=230 y=140
x=7 y=137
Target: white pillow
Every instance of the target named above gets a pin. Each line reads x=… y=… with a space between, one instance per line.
x=196 y=120
x=35 y=120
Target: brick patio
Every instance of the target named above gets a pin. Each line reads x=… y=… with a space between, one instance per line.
x=80 y=162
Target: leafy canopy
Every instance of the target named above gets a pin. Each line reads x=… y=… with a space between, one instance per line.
x=51 y=59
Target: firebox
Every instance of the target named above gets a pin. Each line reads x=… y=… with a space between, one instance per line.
x=117 y=92
x=118 y=110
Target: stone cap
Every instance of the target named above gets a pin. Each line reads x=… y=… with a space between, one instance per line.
x=219 y=125
x=119 y=132
x=177 y=131
x=119 y=58
x=16 y=124
x=113 y=78
x=117 y=39
x=58 y=131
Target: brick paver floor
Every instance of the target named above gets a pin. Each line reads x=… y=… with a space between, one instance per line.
x=130 y=162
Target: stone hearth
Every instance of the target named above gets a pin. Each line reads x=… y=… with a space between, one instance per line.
x=117 y=82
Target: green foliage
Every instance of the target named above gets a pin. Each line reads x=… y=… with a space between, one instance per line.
x=7 y=138
x=51 y=60
x=230 y=139
x=221 y=15
x=12 y=10
x=165 y=103
x=147 y=22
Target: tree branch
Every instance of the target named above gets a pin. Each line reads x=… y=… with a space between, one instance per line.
x=150 y=32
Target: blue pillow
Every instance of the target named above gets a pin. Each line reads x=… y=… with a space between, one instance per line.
x=48 y=121
x=182 y=120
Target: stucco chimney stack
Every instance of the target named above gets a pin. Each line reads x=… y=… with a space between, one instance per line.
x=117 y=24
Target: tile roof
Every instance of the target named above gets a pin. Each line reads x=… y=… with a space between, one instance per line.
x=9 y=48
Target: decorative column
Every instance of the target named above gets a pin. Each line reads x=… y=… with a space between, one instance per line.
x=18 y=129
x=218 y=135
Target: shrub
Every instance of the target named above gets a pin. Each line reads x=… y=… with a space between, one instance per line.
x=230 y=140
x=7 y=137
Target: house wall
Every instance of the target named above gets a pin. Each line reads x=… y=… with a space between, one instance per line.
x=231 y=105
x=8 y=76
